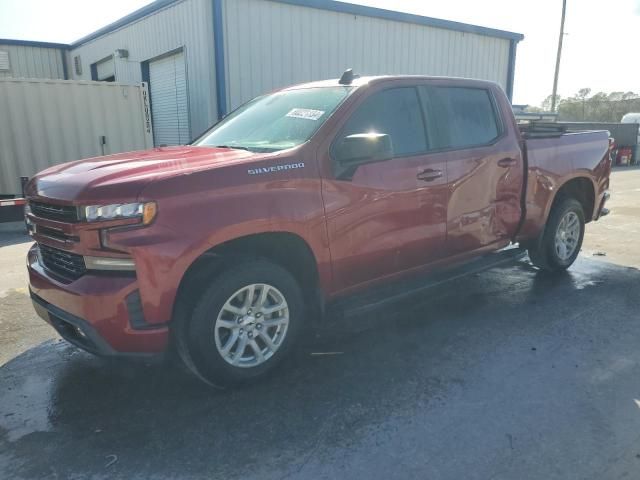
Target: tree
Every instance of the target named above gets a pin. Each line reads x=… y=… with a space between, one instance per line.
x=546 y=103
x=599 y=107
x=583 y=93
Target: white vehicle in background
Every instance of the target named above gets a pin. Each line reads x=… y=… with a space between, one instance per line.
x=632 y=118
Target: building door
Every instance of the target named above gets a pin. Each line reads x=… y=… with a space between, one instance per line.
x=169 y=100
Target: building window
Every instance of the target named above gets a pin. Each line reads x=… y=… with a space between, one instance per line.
x=104 y=70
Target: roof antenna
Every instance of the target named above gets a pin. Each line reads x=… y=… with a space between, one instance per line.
x=347 y=77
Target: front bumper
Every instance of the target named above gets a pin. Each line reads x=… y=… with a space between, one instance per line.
x=98 y=313
x=73 y=329
x=602 y=210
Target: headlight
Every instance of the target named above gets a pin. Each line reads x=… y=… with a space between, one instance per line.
x=145 y=211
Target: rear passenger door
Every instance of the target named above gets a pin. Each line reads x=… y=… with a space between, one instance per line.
x=484 y=166
x=389 y=217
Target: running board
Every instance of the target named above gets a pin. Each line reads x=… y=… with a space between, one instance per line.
x=379 y=297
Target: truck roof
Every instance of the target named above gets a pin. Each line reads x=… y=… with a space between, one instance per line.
x=360 y=81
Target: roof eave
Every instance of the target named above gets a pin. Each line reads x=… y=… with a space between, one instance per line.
x=353 y=9
x=33 y=43
x=330 y=5
x=124 y=21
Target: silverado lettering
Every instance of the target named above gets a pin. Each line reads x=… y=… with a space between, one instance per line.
x=276 y=168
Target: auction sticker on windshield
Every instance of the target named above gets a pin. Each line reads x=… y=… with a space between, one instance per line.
x=306 y=113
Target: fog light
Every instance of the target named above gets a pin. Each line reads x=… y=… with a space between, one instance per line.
x=109 y=263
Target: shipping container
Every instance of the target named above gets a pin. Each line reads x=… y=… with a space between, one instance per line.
x=46 y=122
x=625 y=134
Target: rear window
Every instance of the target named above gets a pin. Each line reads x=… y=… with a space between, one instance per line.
x=465 y=116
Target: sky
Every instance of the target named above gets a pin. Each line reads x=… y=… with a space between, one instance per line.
x=599 y=52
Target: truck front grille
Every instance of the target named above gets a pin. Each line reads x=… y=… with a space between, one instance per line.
x=61 y=213
x=65 y=264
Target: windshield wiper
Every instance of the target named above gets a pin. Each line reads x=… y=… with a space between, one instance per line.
x=235 y=147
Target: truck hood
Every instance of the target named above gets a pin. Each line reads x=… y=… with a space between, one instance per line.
x=122 y=177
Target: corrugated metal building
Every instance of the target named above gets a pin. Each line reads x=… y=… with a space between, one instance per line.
x=269 y=44
x=203 y=58
x=163 y=40
x=26 y=59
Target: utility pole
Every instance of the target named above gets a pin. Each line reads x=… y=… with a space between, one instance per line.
x=555 y=77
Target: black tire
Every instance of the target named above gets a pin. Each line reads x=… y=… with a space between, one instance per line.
x=195 y=333
x=542 y=252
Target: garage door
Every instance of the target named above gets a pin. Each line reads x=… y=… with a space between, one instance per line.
x=169 y=101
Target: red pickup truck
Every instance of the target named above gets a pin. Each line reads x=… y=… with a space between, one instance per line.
x=330 y=196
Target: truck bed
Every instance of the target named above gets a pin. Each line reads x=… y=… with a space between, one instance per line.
x=555 y=156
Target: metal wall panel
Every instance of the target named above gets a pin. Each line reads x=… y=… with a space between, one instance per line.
x=45 y=122
x=270 y=45
x=187 y=24
x=33 y=62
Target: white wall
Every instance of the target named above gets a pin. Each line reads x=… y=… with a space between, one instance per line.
x=187 y=24
x=270 y=45
x=33 y=62
x=45 y=122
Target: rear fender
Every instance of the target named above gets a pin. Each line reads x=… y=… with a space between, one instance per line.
x=543 y=191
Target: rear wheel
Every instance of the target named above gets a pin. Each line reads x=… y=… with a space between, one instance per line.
x=559 y=244
x=243 y=324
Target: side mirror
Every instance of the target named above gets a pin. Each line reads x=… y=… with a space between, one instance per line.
x=359 y=149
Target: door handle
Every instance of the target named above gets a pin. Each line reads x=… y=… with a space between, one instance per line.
x=507 y=162
x=429 y=175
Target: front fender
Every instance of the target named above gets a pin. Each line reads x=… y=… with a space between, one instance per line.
x=190 y=224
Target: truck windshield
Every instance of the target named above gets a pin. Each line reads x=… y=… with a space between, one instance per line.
x=277 y=121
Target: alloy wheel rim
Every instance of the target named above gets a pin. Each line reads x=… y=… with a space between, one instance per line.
x=567 y=236
x=251 y=325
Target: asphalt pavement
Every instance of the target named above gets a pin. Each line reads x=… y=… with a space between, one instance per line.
x=508 y=374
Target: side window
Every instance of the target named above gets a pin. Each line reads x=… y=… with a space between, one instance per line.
x=395 y=112
x=465 y=116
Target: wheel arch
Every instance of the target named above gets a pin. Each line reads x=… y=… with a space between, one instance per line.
x=287 y=249
x=582 y=189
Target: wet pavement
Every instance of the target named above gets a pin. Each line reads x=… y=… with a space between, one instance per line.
x=508 y=374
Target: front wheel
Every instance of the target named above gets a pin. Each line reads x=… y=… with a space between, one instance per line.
x=560 y=242
x=243 y=324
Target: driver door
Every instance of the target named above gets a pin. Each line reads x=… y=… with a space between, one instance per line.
x=389 y=217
